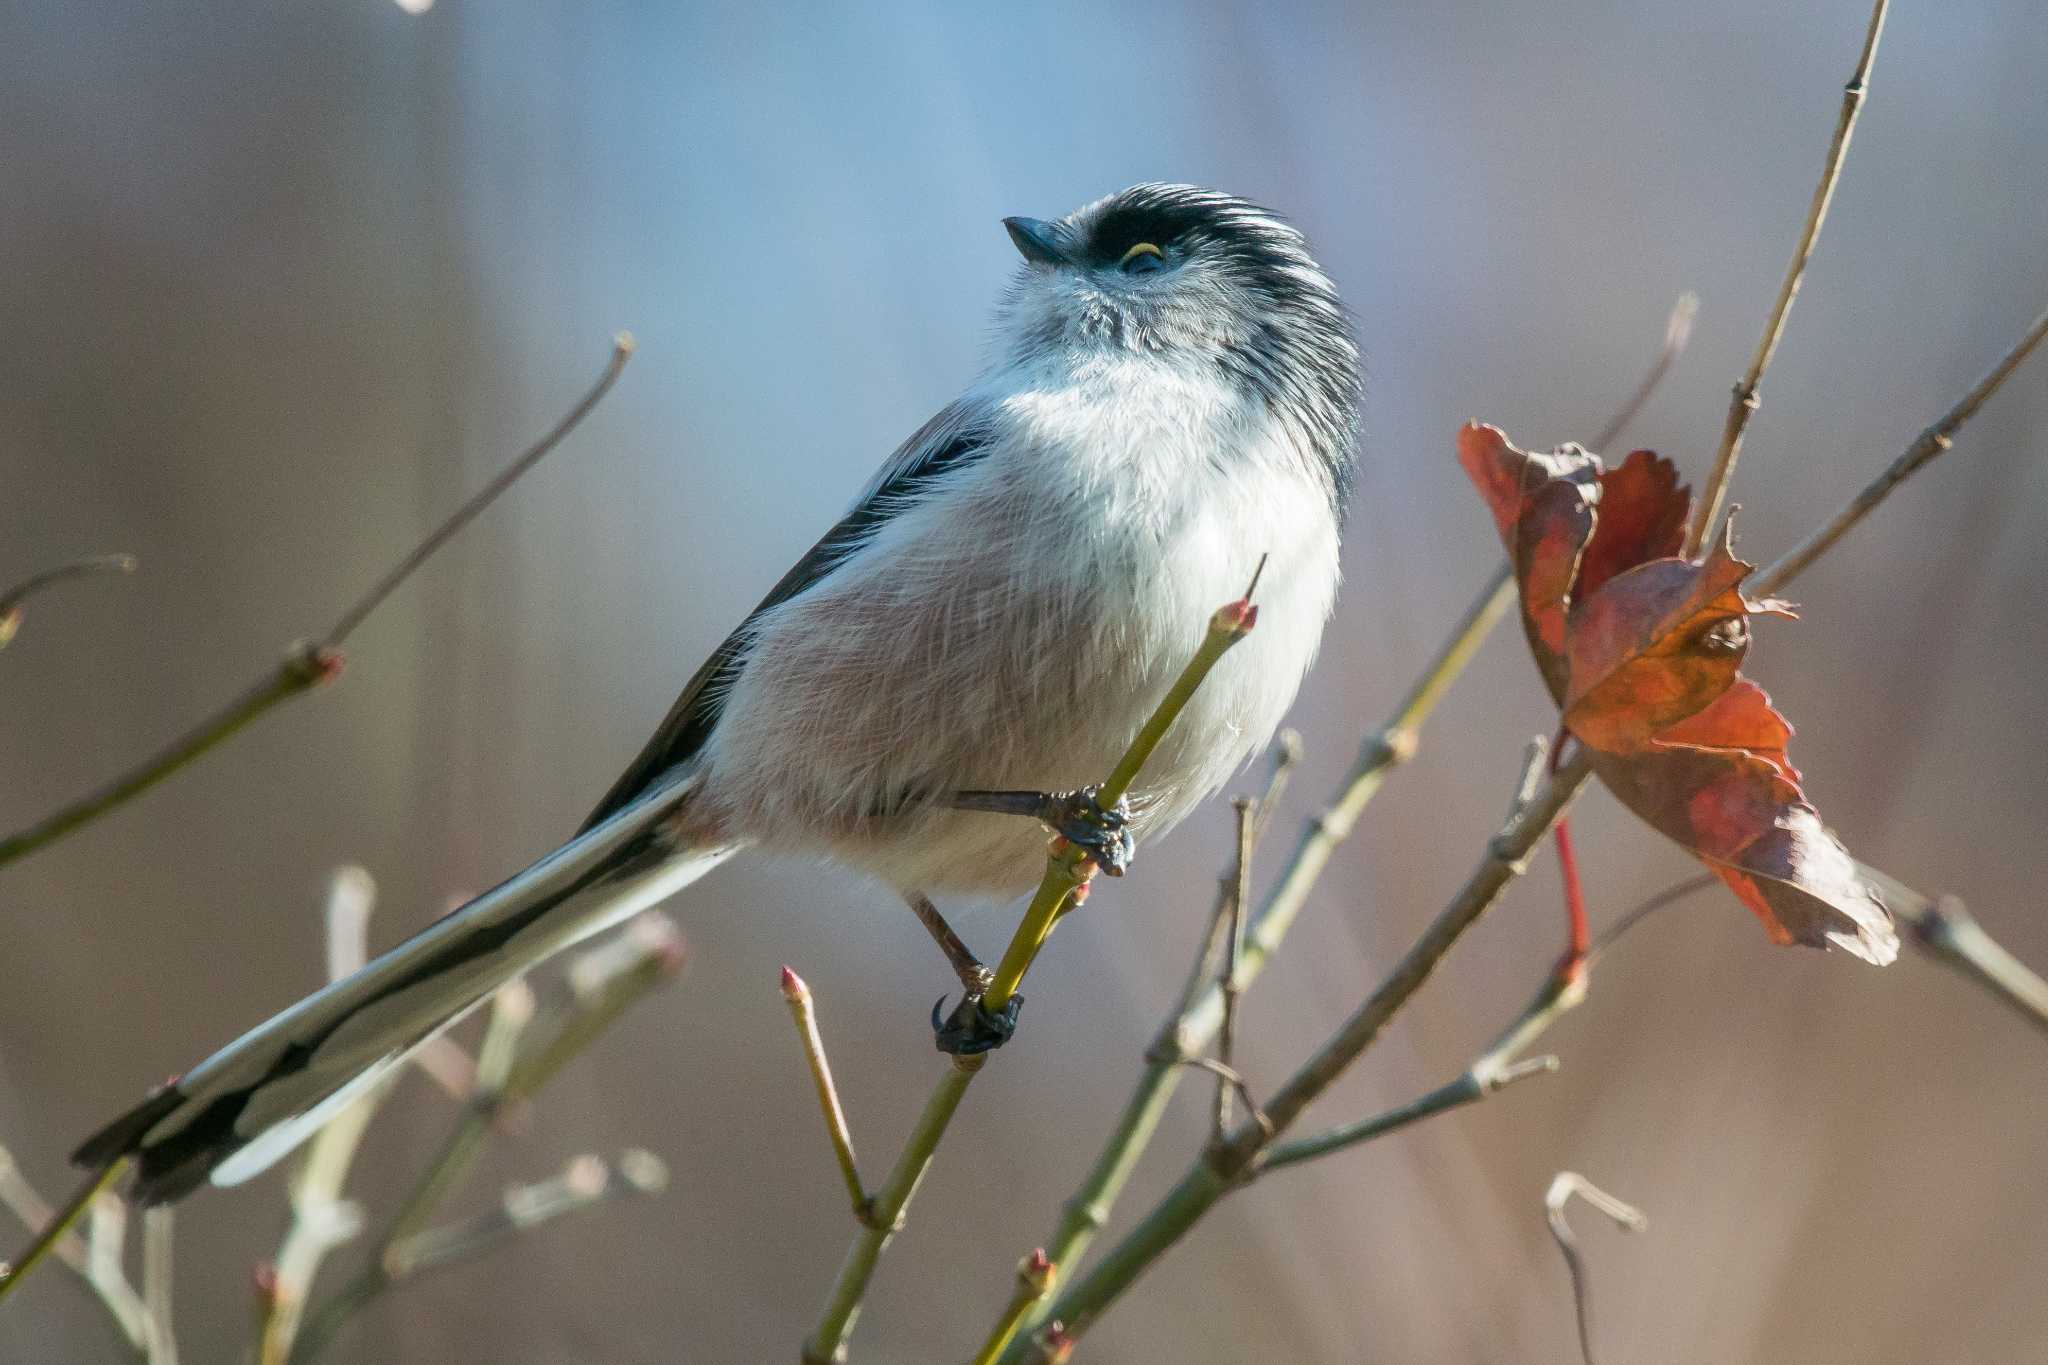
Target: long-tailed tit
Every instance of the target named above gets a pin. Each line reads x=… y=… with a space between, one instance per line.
x=1173 y=396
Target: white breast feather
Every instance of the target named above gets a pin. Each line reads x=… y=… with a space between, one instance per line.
x=1016 y=627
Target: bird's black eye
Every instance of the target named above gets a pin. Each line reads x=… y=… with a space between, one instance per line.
x=1142 y=259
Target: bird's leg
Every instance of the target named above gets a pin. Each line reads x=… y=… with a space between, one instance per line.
x=974 y=977
x=970 y=1028
x=1075 y=816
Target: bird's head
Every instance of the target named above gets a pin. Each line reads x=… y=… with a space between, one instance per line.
x=1196 y=278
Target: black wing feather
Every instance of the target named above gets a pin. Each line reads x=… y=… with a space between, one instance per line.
x=946 y=443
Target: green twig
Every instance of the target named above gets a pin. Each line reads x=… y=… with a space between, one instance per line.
x=1228 y=1163
x=13 y=1272
x=1502 y=1063
x=1085 y=1214
x=1067 y=870
x=1189 y=1030
x=1955 y=938
x=1950 y=934
x=1504 y=860
x=804 y=1012
x=1472 y=1085
x=827 y=1344
x=123 y=1304
x=1036 y=1275
x=1070 y=868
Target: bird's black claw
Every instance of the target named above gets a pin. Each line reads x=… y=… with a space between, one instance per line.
x=1104 y=833
x=973 y=1029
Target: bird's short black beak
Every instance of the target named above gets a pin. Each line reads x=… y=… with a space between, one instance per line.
x=1037 y=241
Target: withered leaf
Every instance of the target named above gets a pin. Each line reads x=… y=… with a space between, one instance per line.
x=1642 y=651
x=1657 y=643
x=1642 y=517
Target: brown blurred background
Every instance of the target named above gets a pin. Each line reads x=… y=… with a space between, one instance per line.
x=283 y=282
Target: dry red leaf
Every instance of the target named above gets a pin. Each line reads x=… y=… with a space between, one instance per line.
x=1642 y=651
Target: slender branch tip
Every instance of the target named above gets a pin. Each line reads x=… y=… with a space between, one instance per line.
x=92 y=565
x=794 y=988
x=1258 y=572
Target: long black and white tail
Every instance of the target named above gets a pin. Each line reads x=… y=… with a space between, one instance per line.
x=250 y=1103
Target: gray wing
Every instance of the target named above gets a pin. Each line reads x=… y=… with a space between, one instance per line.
x=950 y=441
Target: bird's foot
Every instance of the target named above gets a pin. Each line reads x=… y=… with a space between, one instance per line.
x=972 y=1028
x=1076 y=816
x=1102 y=831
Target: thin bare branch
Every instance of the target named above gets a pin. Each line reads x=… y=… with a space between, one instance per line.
x=1502 y=1063
x=119 y=1298
x=321 y=1219
x=1677 y=335
x=1225 y=1165
x=585 y=1183
x=1228 y=1076
x=106 y=1235
x=1625 y=1216
x=1951 y=933
x=1287 y=752
x=306 y=665
x=1938 y=439
x=802 y=1009
x=1196 y=1013
x=1946 y=930
x=1230 y=981
x=12 y=600
x=1187 y=1031
x=51 y=1234
x=157 y=1246
x=1469 y=1087
x=1745 y=401
x=519 y=1055
x=1670 y=895
x=1536 y=761
x=302 y=669
x=345 y=625
x=1067 y=873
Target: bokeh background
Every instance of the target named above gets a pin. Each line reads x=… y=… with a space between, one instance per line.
x=283 y=282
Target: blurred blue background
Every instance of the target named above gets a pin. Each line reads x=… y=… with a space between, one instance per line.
x=284 y=282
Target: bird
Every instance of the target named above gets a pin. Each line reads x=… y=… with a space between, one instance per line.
x=1170 y=399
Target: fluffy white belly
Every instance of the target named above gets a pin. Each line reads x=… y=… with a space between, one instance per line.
x=1014 y=630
